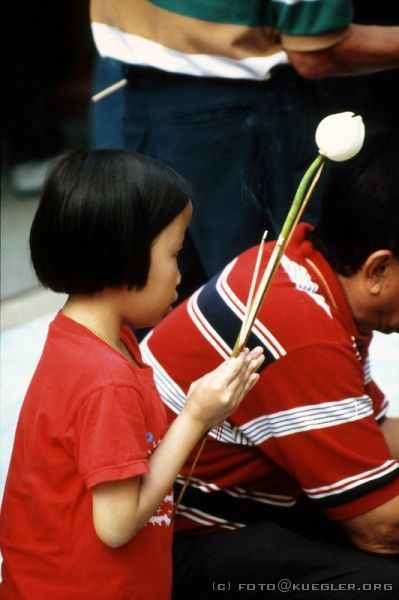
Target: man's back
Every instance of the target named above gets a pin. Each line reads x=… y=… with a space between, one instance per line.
x=310 y=424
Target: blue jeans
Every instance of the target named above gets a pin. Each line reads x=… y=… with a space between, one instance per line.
x=242 y=145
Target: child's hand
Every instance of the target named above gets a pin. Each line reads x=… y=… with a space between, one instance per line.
x=216 y=395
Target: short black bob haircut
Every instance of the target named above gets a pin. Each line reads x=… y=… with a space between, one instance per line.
x=360 y=207
x=98 y=216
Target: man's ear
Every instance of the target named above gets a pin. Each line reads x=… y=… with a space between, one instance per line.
x=374 y=270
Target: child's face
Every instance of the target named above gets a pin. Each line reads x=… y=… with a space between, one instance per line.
x=154 y=301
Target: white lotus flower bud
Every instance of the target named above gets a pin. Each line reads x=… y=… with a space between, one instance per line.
x=340 y=136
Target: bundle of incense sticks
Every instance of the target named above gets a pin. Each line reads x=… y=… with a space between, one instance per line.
x=256 y=298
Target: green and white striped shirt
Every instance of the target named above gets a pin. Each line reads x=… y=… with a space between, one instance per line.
x=216 y=38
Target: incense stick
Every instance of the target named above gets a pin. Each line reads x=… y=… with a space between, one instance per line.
x=188 y=478
x=255 y=275
x=252 y=286
x=254 y=305
x=109 y=90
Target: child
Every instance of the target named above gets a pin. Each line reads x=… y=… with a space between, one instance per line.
x=88 y=501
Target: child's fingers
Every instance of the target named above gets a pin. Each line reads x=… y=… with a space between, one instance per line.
x=239 y=374
x=251 y=382
x=255 y=352
x=245 y=383
x=231 y=368
x=216 y=395
x=233 y=376
x=247 y=360
x=252 y=361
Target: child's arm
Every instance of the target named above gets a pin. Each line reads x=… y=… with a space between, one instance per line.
x=121 y=508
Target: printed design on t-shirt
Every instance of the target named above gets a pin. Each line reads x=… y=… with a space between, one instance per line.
x=153 y=443
x=163 y=515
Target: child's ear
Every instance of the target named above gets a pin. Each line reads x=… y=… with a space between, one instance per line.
x=374 y=270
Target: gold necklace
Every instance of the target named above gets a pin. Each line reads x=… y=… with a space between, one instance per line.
x=109 y=343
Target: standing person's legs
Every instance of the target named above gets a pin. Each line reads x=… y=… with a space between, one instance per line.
x=268 y=561
x=243 y=146
x=207 y=132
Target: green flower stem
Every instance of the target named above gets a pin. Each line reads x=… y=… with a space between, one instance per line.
x=300 y=195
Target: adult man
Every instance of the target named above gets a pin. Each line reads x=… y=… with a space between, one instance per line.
x=311 y=438
x=218 y=90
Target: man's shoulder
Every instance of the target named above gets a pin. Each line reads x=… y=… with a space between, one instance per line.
x=296 y=310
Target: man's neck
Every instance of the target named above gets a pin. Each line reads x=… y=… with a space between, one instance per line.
x=355 y=294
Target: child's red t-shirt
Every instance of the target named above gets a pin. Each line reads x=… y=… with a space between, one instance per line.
x=89 y=416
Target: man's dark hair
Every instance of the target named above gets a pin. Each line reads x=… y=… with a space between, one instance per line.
x=360 y=208
x=98 y=215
